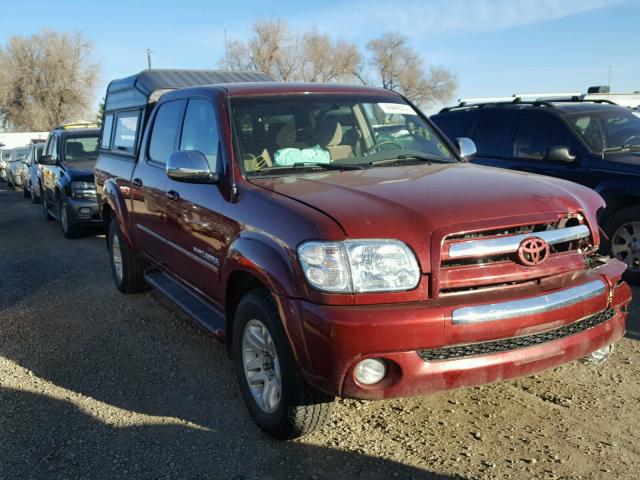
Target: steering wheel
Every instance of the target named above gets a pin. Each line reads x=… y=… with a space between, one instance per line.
x=628 y=140
x=384 y=142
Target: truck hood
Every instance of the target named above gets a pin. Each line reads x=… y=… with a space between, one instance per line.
x=81 y=171
x=412 y=203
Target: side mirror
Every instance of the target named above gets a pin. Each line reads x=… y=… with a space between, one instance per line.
x=190 y=166
x=467 y=148
x=559 y=154
x=47 y=160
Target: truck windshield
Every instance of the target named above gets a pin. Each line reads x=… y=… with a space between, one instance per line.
x=276 y=133
x=607 y=131
x=77 y=150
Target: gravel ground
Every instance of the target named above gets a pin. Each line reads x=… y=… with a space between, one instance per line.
x=94 y=384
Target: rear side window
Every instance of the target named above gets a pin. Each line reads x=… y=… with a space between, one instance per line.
x=165 y=131
x=490 y=134
x=536 y=134
x=200 y=130
x=105 y=140
x=451 y=125
x=126 y=131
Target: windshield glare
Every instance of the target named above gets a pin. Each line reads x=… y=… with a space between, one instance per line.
x=282 y=131
x=80 y=149
x=606 y=130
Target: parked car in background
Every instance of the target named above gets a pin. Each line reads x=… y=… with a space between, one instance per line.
x=16 y=164
x=5 y=153
x=338 y=255
x=594 y=143
x=30 y=173
x=65 y=179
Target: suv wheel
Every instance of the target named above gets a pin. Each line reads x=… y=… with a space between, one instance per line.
x=34 y=197
x=127 y=268
x=25 y=192
x=68 y=228
x=623 y=230
x=277 y=396
x=45 y=206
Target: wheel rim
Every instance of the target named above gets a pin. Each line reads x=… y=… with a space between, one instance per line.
x=625 y=245
x=65 y=219
x=261 y=366
x=116 y=257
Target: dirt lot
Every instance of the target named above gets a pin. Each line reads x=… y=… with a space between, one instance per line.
x=94 y=384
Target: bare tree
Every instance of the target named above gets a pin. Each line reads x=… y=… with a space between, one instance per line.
x=288 y=56
x=400 y=68
x=46 y=79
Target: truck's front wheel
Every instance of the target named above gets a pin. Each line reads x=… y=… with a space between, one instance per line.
x=127 y=268
x=276 y=394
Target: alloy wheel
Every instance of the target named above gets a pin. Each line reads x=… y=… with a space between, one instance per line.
x=261 y=366
x=64 y=218
x=116 y=257
x=625 y=245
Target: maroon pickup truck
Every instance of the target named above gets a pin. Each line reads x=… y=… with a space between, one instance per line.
x=342 y=245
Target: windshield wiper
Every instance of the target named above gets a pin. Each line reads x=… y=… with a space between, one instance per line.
x=621 y=148
x=404 y=158
x=309 y=166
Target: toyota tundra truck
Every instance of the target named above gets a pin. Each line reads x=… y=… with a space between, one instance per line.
x=341 y=245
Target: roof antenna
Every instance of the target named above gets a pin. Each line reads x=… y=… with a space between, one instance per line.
x=149 y=52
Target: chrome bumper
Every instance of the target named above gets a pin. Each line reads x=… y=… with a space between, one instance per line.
x=528 y=306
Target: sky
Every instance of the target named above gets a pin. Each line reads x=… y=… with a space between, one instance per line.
x=496 y=47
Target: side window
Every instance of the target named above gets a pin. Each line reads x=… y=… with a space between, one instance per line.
x=53 y=147
x=536 y=134
x=165 y=131
x=200 y=130
x=126 y=131
x=105 y=139
x=490 y=134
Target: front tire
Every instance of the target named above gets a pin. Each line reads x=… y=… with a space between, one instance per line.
x=623 y=230
x=69 y=229
x=127 y=268
x=274 y=390
x=25 y=192
x=34 y=197
x=45 y=206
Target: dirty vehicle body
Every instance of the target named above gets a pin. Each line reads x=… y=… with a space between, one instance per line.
x=594 y=143
x=15 y=166
x=5 y=153
x=29 y=174
x=65 y=179
x=342 y=247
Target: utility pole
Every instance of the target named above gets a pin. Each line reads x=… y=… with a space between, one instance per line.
x=149 y=52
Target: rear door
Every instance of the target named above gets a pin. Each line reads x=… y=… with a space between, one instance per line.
x=149 y=182
x=195 y=226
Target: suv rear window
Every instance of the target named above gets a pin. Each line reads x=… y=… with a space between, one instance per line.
x=80 y=149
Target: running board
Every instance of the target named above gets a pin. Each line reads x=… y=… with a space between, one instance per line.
x=206 y=315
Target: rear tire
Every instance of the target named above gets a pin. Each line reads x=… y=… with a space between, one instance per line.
x=127 y=268
x=300 y=408
x=623 y=230
x=25 y=192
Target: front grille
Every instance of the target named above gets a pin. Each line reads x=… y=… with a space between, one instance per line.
x=508 y=344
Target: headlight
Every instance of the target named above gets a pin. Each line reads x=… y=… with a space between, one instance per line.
x=355 y=266
x=83 y=190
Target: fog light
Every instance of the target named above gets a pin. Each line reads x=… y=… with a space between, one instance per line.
x=370 y=371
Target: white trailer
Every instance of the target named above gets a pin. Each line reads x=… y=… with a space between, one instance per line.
x=13 y=140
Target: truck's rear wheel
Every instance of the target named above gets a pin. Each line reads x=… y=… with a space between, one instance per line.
x=623 y=230
x=127 y=268
x=277 y=396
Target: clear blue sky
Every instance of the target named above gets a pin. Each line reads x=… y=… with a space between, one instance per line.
x=496 y=47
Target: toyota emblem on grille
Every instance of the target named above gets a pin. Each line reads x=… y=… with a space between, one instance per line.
x=533 y=251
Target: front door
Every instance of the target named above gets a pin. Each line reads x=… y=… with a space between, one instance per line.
x=194 y=222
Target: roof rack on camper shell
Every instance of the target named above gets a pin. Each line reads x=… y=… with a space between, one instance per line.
x=146 y=87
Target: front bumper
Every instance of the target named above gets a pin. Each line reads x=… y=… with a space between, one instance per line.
x=84 y=211
x=330 y=340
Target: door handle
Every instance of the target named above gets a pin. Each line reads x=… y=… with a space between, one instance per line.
x=173 y=195
x=136 y=182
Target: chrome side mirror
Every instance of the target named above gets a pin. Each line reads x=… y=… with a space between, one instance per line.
x=559 y=154
x=190 y=166
x=467 y=148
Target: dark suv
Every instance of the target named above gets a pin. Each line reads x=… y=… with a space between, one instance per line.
x=66 y=182
x=595 y=143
